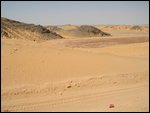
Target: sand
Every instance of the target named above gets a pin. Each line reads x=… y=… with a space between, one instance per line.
x=73 y=75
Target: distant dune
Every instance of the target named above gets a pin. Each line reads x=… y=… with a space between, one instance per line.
x=15 y=29
x=79 y=31
x=123 y=27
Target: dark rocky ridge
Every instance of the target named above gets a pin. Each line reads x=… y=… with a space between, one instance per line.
x=92 y=31
x=136 y=27
x=80 y=31
x=15 y=29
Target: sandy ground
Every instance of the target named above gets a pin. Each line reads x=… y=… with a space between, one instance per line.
x=76 y=74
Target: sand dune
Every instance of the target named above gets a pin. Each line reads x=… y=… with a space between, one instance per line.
x=76 y=74
x=93 y=94
x=142 y=28
x=53 y=77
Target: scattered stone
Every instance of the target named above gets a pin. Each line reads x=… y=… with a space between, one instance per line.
x=111 y=106
x=69 y=86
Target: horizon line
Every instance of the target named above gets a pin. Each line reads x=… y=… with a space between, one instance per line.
x=70 y=23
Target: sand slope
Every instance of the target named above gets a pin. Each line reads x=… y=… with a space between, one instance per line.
x=74 y=75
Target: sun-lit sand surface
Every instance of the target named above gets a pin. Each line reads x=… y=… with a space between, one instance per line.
x=85 y=74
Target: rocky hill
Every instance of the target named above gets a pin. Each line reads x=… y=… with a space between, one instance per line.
x=19 y=30
x=79 y=31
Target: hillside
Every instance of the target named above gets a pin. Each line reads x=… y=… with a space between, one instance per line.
x=78 y=31
x=14 y=29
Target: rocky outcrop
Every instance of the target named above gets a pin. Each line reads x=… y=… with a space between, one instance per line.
x=19 y=30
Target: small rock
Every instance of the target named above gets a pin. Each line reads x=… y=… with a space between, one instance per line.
x=111 y=106
x=69 y=86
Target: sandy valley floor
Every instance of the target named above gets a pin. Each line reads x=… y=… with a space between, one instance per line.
x=76 y=74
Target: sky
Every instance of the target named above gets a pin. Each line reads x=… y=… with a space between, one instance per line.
x=77 y=12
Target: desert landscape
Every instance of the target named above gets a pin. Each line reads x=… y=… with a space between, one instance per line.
x=74 y=68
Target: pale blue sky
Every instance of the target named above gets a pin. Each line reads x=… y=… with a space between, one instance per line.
x=77 y=12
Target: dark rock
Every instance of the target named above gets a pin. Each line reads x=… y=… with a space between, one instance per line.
x=69 y=86
x=111 y=106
